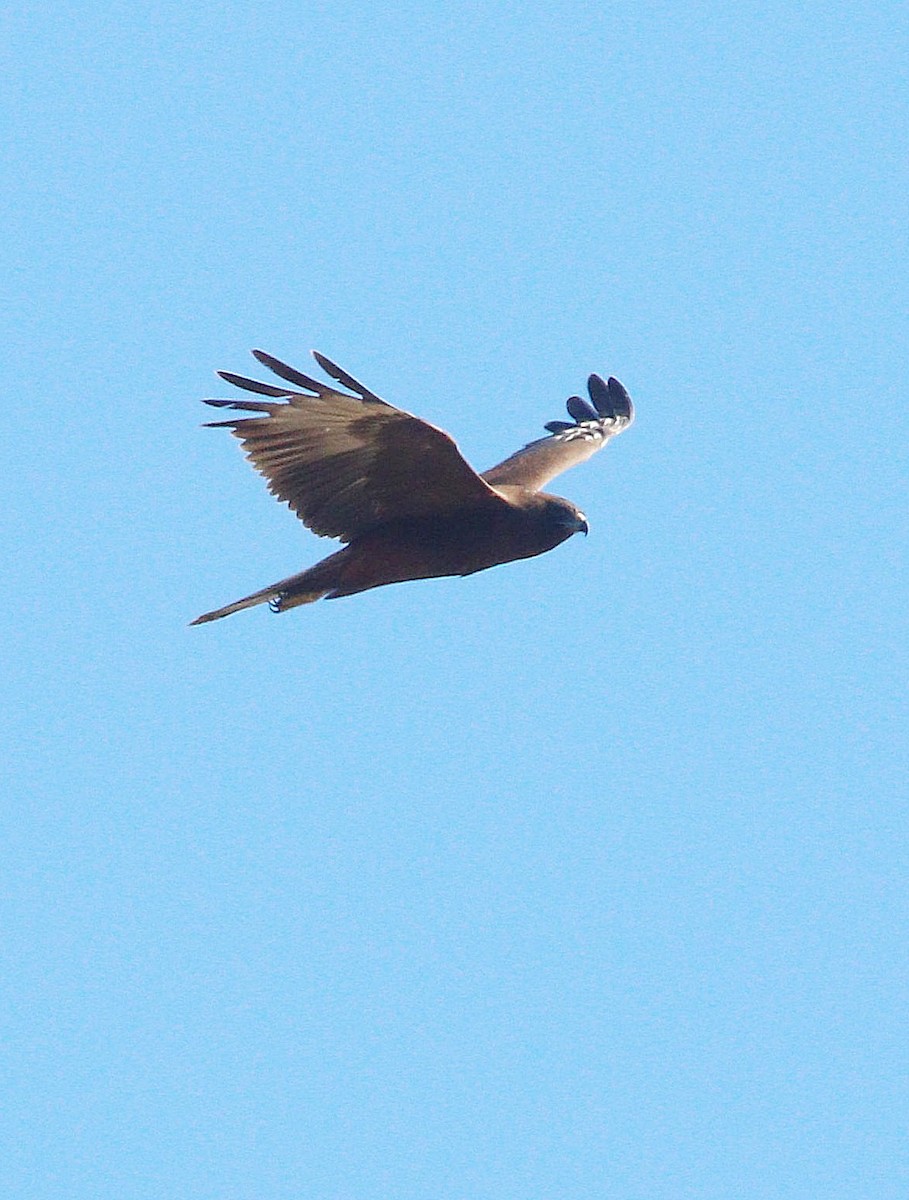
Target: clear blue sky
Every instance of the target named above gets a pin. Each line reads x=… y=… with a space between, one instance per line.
x=583 y=878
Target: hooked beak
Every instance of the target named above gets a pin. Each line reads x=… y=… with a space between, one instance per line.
x=572 y=521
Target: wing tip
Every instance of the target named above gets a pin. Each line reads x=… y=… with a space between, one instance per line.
x=609 y=402
x=610 y=398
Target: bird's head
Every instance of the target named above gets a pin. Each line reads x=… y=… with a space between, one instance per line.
x=563 y=516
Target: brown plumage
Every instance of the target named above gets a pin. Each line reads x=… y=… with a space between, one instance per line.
x=396 y=488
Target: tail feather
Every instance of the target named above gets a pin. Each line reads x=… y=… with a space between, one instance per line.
x=304 y=588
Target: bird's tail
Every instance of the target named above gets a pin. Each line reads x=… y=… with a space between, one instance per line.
x=304 y=588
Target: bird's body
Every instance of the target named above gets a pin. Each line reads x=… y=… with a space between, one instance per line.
x=397 y=489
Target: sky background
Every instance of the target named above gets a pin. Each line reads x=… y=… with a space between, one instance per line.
x=585 y=877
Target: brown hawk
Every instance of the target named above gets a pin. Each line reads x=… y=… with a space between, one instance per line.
x=397 y=490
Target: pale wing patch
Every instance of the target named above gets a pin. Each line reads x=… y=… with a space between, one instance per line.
x=608 y=413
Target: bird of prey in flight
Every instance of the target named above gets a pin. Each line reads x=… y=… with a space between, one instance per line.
x=396 y=489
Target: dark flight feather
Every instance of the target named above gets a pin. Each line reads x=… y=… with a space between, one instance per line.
x=253 y=385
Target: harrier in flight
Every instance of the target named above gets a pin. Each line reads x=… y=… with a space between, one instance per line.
x=396 y=488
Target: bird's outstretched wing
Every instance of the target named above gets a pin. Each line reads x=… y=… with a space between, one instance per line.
x=593 y=423
x=346 y=463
